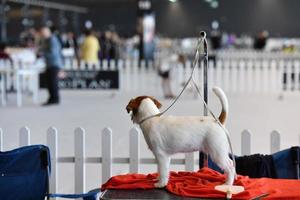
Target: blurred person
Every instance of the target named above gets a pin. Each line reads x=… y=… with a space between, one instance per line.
x=166 y=61
x=56 y=33
x=215 y=37
x=6 y=57
x=113 y=53
x=51 y=50
x=231 y=40
x=71 y=42
x=288 y=47
x=101 y=39
x=28 y=38
x=89 y=48
x=260 y=40
x=108 y=51
x=3 y=54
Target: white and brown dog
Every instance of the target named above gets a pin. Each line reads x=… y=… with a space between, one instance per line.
x=167 y=135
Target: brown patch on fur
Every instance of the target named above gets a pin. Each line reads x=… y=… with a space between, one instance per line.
x=222 y=117
x=134 y=104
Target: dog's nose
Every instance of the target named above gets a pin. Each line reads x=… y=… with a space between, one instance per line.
x=128 y=109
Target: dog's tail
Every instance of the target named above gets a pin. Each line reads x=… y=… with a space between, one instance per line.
x=221 y=95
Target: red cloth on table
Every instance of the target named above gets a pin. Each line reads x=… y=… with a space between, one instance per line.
x=201 y=184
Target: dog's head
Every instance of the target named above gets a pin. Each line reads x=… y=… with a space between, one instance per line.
x=134 y=104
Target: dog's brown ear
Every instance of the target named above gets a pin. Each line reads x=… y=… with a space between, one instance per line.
x=132 y=106
x=156 y=102
x=129 y=105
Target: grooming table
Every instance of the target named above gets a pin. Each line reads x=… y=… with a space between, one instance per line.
x=142 y=194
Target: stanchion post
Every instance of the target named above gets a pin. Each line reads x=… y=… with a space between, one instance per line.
x=203 y=158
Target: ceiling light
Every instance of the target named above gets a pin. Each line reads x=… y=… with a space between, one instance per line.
x=214 y=4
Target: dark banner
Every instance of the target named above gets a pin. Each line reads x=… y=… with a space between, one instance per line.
x=86 y=79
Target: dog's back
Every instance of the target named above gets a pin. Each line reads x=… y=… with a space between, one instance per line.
x=187 y=133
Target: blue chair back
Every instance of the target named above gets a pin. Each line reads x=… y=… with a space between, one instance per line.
x=24 y=173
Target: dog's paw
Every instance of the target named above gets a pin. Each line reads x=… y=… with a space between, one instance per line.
x=161 y=183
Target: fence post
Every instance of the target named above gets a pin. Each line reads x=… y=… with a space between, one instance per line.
x=106 y=154
x=3 y=89
x=142 y=78
x=82 y=65
x=112 y=65
x=211 y=74
x=288 y=66
x=273 y=76
x=121 y=69
x=134 y=150
x=218 y=72
x=24 y=137
x=241 y=78
x=1 y=140
x=52 y=144
x=250 y=76
x=280 y=74
x=275 y=141
x=19 y=87
x=246 y=142
x=79 y=146
x=296 y=75
x=226 y=78
x=234 y=71
x=135 y=75
x=127 y=73
x=89 y=66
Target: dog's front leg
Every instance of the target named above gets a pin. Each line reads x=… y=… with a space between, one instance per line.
x=163 y=162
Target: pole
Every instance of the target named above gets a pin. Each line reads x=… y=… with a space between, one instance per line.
x=203 y=158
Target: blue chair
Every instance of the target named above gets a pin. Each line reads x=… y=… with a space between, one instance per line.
x=24 y=175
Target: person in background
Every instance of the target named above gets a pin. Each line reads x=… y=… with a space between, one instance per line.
x=51 y=50
x=28 y=38
x=3 y=54
x=166 y=62
x=89 y=48
x=260 y=40
x=6 y=57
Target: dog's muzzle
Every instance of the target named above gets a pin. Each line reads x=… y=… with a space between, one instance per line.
x=128 y=108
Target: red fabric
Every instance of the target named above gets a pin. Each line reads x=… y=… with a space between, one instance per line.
x=201 y=184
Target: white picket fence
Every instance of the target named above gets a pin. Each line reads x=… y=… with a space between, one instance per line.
x=236 y=72
x=80 y=159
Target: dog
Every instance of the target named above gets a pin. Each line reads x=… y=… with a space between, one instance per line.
x=168 y=135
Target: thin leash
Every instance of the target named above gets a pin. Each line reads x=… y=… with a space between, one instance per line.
x=218 y=121
x=184 y=87
x=196 y=60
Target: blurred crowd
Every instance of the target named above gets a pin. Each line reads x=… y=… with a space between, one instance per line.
x=93 y=46
x=90 y=46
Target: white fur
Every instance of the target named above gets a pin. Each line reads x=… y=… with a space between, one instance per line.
x=167 y=135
